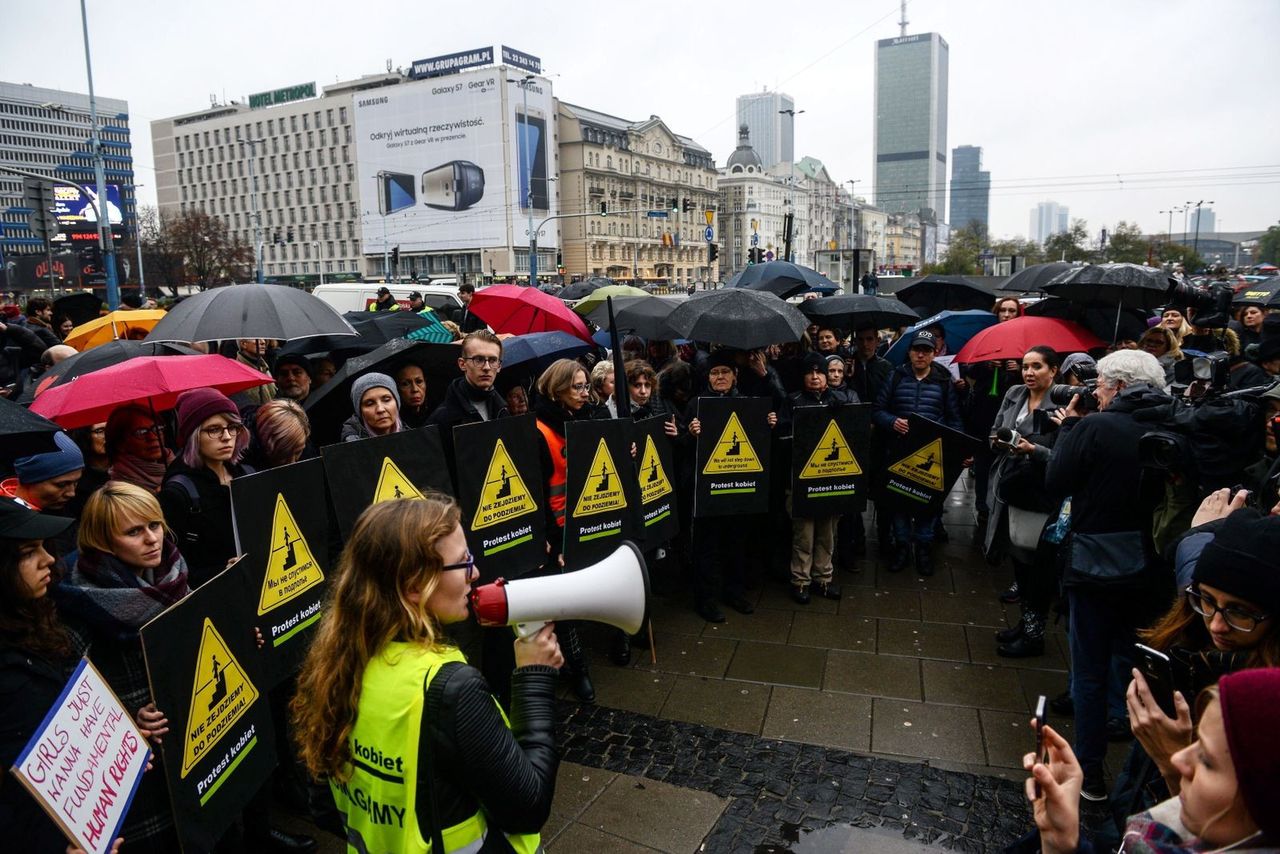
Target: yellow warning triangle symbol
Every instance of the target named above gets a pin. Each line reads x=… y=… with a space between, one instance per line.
x=602 y=493
x=221 y=694
x=924 y=466
x=392 y=484
x=732 y=453
x=653 y=477
x=832 y=457
x=503 y=495
x=291 y=568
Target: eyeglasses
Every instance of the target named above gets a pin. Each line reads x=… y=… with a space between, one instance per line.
x=483 y=361
x=144 y=432
x=581 y=387
x=1236 y=617
x=468 y=564
x=231 y=430
x=99 y=431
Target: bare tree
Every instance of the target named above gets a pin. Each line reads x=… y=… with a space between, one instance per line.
x=164 y=262
x=192 y=247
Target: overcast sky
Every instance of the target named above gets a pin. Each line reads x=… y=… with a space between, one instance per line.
x=1117 y=109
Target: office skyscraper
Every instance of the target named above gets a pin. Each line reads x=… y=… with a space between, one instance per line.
x=970 y=187
x=911 y=123
x=1048 y=219
x=1203 y=221
x=772 y=133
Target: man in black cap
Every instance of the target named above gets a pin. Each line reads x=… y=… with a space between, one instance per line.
x=415 y=302
x=293 y=374
x=385 y=301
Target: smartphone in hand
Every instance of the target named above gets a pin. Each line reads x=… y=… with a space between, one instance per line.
x=1042 y=754
x=1158 y=671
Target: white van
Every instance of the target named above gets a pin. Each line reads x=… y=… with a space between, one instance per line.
x=358 y=296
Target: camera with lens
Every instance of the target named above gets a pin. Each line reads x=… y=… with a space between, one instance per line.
x=1062 y=395
x=1211 y=371
x=1211 y=302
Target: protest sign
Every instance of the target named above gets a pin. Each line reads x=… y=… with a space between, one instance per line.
x=830 y=459
x=656 y=473
x=84 y=762
x=602 y=496
x=923 y=464
x=732 y=459
x=203 y=666
x=369 y=471
x=285 y=555
x=501 y=494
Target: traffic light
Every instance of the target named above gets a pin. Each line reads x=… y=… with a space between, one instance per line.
x=395 y=257
x=289 y=235
x=604 y=209
x=686 y=205
x=37 y=195
x=713 y=252
x=673 y=203
x=559 y=259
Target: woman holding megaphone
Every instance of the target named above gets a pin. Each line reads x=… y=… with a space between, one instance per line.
x=415 y=749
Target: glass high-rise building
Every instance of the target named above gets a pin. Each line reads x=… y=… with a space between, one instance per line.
x=911 y=123
x=970 y=187
x=772 y=132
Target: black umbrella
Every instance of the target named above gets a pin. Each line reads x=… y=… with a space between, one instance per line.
x=102 y=356
x=373 y=328
x=738 y=317
x=23 y=432
x=540 y=349
x=934 y=294
x=647 y=317
x=1035 y=277
x=1128 y=285
x=1264 y=294
x=328 y=406
x=578 y=290
x=854 y=311
x=80 y=307
x=1100 y=320
x=781 y=278
x=250 y=311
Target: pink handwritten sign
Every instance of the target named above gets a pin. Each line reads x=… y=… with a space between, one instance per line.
x=85 y=761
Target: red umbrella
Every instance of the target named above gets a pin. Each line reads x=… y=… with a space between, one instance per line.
x=154 y=380
x=518 y=310
x=1013 y=338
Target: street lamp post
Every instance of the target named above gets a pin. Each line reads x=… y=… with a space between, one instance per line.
x=100 y=177
x=1196 y=246
x=137 y=242
x=257 y=217
x=319 y=259
x=526 y=168
x=791 y=203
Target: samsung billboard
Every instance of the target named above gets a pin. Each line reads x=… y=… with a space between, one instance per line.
x=455 y=163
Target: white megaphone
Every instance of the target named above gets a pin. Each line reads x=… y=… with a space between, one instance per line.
x=613 y=591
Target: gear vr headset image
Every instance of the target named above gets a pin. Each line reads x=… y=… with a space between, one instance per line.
x=453 y=186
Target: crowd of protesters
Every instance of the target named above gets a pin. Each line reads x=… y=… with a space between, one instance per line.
x=128 y=516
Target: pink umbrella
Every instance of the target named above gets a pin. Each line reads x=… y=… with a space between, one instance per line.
x=154 y=380
x=1013 y=338
x=511 y=308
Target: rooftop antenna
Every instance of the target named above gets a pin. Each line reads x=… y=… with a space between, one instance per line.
x=902 y=24
x=388 y=65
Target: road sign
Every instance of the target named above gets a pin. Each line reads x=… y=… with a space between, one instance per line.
x=657 y=214
x=711 y=217
x=709 y=234
x=769 y=255
x=755 y=240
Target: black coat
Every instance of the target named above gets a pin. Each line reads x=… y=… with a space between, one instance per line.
x=458 y=407
x=29 y=686
x=202 y=527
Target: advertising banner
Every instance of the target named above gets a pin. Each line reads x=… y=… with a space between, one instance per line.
x=71 y=206
x=85 y=761
x=286 y=557
x=602 y=496
x=922 y=466
x=732 y=459
x=367 y=471
x=520 y=59
x=203 y=666
x=450 y=63
x=455 y=162
x=500 y=490
x=656 y=472
x=830 y=459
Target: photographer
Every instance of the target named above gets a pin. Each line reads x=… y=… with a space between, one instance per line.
x=1110 y=588
x=1021 y=450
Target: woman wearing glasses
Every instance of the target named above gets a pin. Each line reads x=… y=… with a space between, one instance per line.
x=392 y=716
x=1224 y=621
x=135 y=446
x=196 y=495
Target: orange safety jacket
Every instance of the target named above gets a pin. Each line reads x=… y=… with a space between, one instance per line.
x=559 y=471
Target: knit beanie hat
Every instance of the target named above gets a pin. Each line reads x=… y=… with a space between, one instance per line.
x=1269 y=349
x=368 y=381
x=814 y=361
x=197 y=405
x=1241 y=560
x=723 y=358
x=1249 y=699
x=41 y=467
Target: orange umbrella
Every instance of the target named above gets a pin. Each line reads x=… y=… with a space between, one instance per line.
x=109 y=327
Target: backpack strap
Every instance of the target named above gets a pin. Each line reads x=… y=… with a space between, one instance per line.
x=189 y=488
